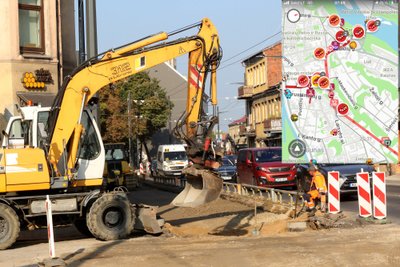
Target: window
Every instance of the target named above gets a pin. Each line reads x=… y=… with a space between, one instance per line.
x=272 y=155
x=20 y=133
x=242 y=156
x=250 y=156
x=177 y=155
x=42 y=119
x=31 y=30
x=90 y=146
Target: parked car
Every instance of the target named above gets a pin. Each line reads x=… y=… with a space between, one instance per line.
x=348 y=181
x=227 y=171
x=264 y=167
x=232 y=158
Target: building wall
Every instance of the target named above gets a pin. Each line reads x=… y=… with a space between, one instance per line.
x=274 y=64
x=175 y=85
x=263 y=73
x=14 y=63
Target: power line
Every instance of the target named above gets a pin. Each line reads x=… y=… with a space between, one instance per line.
x=251 y=47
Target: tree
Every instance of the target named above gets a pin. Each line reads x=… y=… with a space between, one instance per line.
x=150 y=109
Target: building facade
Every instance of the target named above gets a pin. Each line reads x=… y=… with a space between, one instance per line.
x=175 y=85
x=32 y=51
x=261 y=91
x=234 y=130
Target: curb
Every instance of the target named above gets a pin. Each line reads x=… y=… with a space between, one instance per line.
x=169 y=188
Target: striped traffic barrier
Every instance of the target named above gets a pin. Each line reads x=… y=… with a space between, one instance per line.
x=333 y=192
x=141 y=169
x=148 y=170
x=364 y=194
x=379 y=195
x=50 y=233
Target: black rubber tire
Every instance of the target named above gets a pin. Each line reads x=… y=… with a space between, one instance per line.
x=81 y=225
x=129 y=181
x=110 y=217
x=9 y=226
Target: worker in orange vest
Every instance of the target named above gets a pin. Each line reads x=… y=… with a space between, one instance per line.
x=317 y=189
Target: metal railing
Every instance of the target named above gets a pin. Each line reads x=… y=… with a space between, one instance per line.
x=272 y=194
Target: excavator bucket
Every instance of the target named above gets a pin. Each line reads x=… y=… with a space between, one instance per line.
x=202 y=186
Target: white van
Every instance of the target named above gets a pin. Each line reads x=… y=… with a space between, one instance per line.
x=171 y=159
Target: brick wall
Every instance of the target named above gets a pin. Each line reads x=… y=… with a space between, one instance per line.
x=274 y=64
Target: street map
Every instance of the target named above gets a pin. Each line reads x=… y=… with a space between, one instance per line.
x=340 y=81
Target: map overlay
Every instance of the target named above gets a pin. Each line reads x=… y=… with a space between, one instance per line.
x=340 y=81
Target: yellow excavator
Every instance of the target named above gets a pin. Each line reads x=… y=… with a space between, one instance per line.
x=58 y=151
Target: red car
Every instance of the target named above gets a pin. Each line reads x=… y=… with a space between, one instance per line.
x=264 y=167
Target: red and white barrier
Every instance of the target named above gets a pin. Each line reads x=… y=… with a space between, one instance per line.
x=50 y=233
x=148 y=167
x=379 y=195
x=364 y=195
x=141 y=169
x=333 y=192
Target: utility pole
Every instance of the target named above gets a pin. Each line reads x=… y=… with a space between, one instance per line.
x=91 y=44
x=81 y=26
x=130 y=129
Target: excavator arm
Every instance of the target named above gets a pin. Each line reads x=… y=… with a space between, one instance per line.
x=65 y=128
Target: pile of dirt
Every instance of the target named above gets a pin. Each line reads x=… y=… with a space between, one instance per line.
x=221 y=218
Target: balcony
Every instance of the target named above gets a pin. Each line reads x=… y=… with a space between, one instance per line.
x=245 y=92
x=247 y=131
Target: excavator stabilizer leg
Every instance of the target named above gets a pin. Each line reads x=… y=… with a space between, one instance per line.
x=202 y=186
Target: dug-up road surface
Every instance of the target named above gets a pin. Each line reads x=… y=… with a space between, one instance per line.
x=220 y=234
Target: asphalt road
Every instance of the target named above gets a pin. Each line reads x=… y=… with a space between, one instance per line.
x=350 y=203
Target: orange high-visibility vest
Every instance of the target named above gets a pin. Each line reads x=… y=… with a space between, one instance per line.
x=318 y=180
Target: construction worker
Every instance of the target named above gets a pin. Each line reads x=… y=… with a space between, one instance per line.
x=317 y=189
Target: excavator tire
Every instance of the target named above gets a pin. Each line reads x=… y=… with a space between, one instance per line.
x=9 y=226
x=81 y=225
x=130 y=182
x=110 y=217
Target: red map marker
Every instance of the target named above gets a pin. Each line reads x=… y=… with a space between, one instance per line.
x=323 y=82
x=340 y=36
x=334 y=20
x=358 y=31
x=334 y=102
x=319 y=53
x=343 y=109
x=371 y=25
x=303 y=80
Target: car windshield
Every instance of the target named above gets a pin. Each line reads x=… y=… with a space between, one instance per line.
x=270 y=155
x=178 y=155
x=226 y=162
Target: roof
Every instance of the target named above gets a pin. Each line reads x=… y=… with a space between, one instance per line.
x=238 y=121
x=253 y=56
x=42 y=98
x=261 y=53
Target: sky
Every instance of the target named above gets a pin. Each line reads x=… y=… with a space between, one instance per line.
x=240 y=24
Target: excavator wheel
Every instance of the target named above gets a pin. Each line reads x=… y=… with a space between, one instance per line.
x=9 y=226
x=110 y=217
